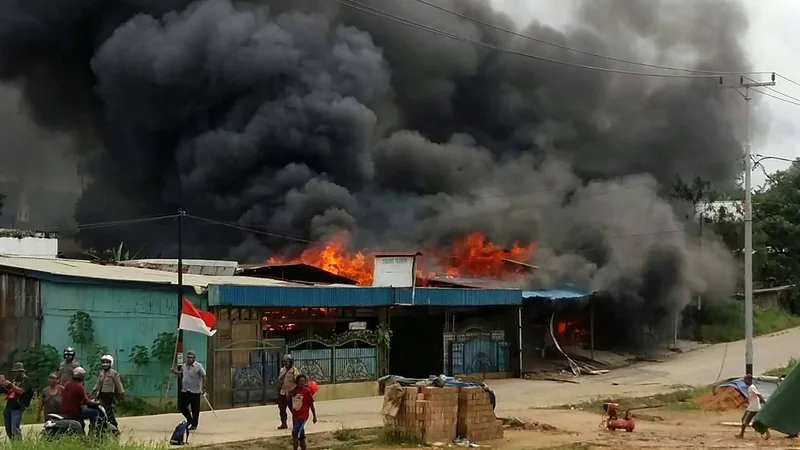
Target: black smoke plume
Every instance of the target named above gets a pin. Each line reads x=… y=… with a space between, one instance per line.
x=303 y=118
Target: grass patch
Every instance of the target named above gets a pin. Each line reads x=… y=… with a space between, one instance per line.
x=780 y=371
x=345 y=434
x=682 y=400
x=573 y=446
x=343 y=439
x=726 y=325
x=390 y=438
x=77 y=444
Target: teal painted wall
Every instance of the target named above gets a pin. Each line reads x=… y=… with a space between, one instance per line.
x=122 y=317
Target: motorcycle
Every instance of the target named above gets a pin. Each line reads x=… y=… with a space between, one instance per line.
x=57 y=426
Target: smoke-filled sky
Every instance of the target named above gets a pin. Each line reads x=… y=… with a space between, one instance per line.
x=769 y=41
x=306 y=118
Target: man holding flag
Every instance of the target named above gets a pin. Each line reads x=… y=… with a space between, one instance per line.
x=192 y=372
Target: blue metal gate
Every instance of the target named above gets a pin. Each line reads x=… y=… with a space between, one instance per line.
x=253 y=382
x=479 y=355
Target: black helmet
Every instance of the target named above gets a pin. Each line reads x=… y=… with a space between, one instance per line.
x=69 y=351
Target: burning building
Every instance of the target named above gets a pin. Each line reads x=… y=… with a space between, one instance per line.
x=302 y=120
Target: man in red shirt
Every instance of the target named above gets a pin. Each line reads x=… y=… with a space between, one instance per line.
x=302 y=403
x=74 y=400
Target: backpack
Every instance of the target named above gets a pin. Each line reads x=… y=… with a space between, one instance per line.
x=181 y=435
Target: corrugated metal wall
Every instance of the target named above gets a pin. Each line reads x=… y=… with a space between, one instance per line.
x=20 y=315
x=334 y=297
x=122 y=317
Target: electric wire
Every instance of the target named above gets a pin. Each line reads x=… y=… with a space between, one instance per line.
x=394 y=18
x=776 y=97
x=583 y=52
x=787 y=79
x=116 y=223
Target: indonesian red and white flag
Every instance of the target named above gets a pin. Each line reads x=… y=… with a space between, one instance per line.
x=192 y=319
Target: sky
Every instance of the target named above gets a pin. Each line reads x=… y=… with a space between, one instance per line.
x=772 y=42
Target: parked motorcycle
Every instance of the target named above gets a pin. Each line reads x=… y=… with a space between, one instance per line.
x=58 y=426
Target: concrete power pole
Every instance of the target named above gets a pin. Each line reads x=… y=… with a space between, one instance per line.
x=748 y=227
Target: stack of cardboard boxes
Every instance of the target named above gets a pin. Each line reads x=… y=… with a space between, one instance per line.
x=434 y=414
x=476 y=419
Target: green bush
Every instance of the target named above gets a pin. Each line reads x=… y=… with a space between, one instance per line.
x=39 y=362
x=724 y=321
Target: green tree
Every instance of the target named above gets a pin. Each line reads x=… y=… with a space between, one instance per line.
x=776 y=227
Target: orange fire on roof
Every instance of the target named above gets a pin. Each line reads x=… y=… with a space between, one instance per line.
x=472 y=256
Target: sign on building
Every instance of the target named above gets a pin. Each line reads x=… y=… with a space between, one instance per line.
x=395 y=270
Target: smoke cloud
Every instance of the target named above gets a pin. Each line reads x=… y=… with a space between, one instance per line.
x=305 y=118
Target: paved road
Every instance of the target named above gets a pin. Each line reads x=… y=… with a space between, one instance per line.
x=515 y=397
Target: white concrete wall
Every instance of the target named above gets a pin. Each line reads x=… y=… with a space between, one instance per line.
x=29 y=246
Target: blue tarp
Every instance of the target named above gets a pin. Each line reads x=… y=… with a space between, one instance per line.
x=440 y=381
x=765 y=385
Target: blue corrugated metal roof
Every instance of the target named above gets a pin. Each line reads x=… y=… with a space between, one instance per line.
x=556 y=294
x=258 y=296
x=459 y=297
x=330 y=297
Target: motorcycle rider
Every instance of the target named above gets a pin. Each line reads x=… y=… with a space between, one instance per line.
x=66 y=368
x=108 y=387
x=75 y=402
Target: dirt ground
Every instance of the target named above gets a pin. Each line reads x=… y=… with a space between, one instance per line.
x=572 y=429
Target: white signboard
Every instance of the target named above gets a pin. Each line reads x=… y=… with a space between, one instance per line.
x=358 y=325
x=394 y=271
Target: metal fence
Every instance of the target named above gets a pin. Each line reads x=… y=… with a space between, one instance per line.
x=355 y=364
x=338 y=365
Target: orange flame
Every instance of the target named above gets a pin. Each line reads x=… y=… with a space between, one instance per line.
x=333 y=257
x=472 y=256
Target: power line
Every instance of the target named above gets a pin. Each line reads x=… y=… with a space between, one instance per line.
x=783 y=94
x=394 y=18
x=116 y=223
x=252 y=230
x=788 y=79
x=322 y=241
x=584 y=52
x=776 y=97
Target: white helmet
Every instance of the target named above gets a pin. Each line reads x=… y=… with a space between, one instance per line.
x=108 y=358
x=79 y=373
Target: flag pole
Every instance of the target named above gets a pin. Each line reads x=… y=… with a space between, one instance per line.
x=179 y=334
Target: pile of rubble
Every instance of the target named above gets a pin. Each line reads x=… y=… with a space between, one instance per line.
x=724 y=398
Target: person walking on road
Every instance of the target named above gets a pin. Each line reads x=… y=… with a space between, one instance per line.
x=754 y=401
x=286 y=384
x=193 y=376
x=18 y=398
x=67 y=366
x=50 y=398
x=108 y=387
x=302 y=403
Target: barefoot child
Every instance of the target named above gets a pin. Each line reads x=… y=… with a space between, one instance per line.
x=302 y=403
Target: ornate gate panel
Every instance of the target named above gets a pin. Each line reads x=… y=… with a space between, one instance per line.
x=244 y=367
x=479 y=355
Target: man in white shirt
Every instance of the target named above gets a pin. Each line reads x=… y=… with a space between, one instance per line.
x=754 y=401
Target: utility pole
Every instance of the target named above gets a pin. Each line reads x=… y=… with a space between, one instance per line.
x=748 y=227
